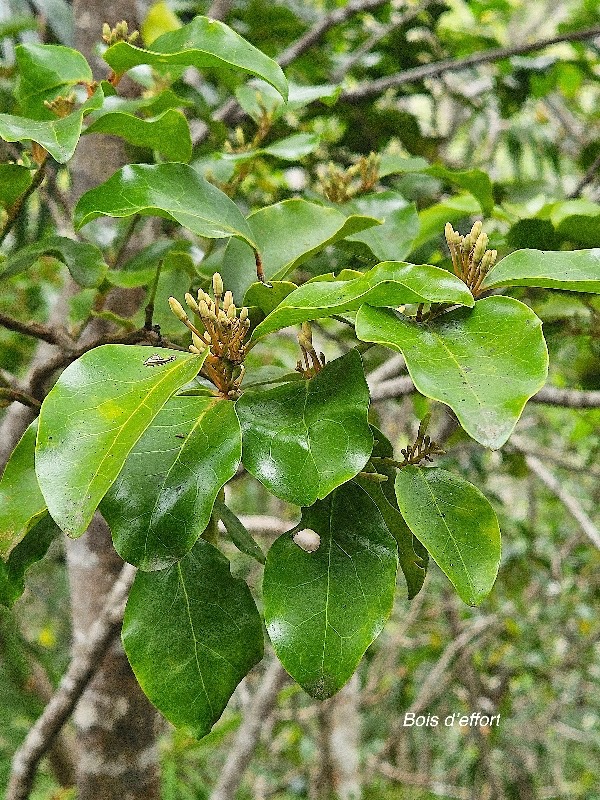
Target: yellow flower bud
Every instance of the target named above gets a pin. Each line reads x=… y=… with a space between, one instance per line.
x=243 y=314
x=227 y=300
x=217 y=285
x=177 y=309
x=191 y=302
x=198 y=343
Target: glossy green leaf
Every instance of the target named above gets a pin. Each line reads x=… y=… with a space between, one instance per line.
x=59 y=136
x=287 y=234
x=83 y=260
x=413 y=561
x=485 y=362
x=323 y=609
x=173 y=191
x=168 y=134
x=98 y=409
x=238 y=533
x=572 y=270
x=46 y=71
x=191 y=632
x=433 y=219
x=393 y=240
x=303 y=439
x=31 y=548
x=456 y=524
x=474 y=181
x=266 y=298
x=14 y=180
x=164 y=495
x=21 y=502
x=203 y=43
x=389 y=284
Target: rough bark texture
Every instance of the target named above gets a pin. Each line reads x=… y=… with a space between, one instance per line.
x=115 y=722
x=338 y=777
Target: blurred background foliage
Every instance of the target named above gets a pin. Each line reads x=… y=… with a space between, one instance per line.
x=530 y=123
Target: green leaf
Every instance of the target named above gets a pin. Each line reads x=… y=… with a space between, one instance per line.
x=159 y=19
x=168 y=134
x=30 y=549
x=203 y=43
x=389 y=284
x=92 y=418
x=287 y=234
x=412 y=562
x=323 y=609
x=83 y=260
x=46 y=71
x=21 y=502
x=303 y=439
x=456 y=524
x=256 y=97
x=164 y=495
x=393 y=240
x=14 y=180
x=172 y=191
x=474 y=181
x=191 y=633
x=433 y=219
x=267 y=298
x=238 y=533
x=59 y=136
x=572 y=270
x=485 y=362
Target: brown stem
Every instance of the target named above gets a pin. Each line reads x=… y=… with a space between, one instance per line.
x=35 y=329
x=14 y=395
x=16 y=207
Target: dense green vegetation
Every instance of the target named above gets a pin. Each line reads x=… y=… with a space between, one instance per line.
x=390 y=353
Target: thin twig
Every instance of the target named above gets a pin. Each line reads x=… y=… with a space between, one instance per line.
x=149 y=310
x=374 y=88
x=570 y=503
x=377 y=36
x=16 y=396
x=320 y=28
x=548 y=395
x=81 y=669
x=16 y=207
x=589 y=176
x=35 y=329
x=248 y=734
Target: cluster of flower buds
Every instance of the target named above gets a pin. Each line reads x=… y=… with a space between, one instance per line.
x=61 y=105
x=340 y=185
x=120 y=33
x=225 y=329
x=311 y=363
x=470 y=258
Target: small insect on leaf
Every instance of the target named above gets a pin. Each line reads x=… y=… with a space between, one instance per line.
x=157 y=360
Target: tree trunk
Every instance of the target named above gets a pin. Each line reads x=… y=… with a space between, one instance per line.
x=114 y=720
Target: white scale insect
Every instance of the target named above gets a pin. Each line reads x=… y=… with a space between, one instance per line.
x=157 y=360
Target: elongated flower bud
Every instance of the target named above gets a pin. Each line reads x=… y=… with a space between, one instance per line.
x=231 y=311
x=191 y=302
x=177 y=309
x=476 y=230
x=480 y=245
x=217 y=285
x=227 y=300
x=198 y=343
x=243 y=314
